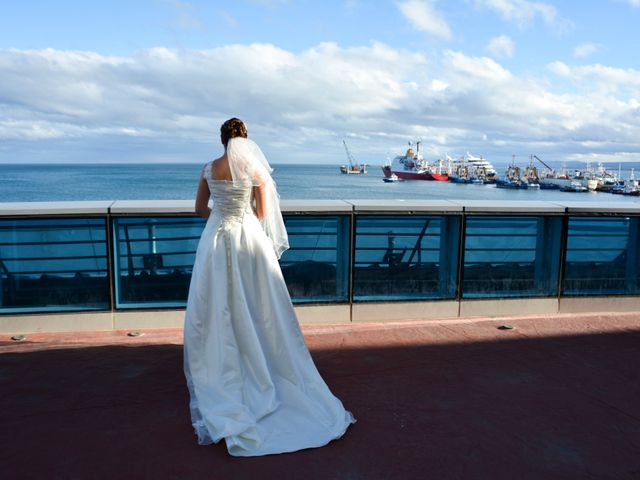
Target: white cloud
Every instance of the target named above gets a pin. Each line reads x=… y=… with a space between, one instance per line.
x=184 y=94
x=438 y=85
x=559 y=68
x=424 y=17
x=524 y=12
x=160 y=102
x=585 y=49
x=601 y=78
x=474 y=68
x=501 y=46
x=633 y=3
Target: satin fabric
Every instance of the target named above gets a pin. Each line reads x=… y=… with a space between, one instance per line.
x=251 y=379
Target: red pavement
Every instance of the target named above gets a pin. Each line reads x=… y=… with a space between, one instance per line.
x=554 y=398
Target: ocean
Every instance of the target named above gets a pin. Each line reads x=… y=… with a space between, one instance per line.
x=61 y=182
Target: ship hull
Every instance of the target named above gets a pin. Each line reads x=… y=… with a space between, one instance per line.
x=407 y=175
x=440 y=177
x=351 y=171
x=454 y=179
x=517 y=185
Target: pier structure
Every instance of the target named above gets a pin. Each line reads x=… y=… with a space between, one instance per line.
x=470 y=340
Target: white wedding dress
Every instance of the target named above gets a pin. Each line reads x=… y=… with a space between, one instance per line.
x=250 y=376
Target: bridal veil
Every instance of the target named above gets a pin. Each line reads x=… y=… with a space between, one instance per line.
x=250 y=167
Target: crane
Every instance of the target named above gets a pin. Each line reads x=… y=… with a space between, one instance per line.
x=353 y=164
x=536 y=157
x=352 y=161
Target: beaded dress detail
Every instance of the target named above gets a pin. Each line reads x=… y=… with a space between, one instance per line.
x=251 y=379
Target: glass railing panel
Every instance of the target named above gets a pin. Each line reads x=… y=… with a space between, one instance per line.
x=155 y=255
x=602 y=256
x=510 y=256
x=316 y=267
x=60 y=263
x=405 y=257
x=154 y=258
x=53 y=264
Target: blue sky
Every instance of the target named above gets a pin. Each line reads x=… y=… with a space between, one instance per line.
x=151 y=80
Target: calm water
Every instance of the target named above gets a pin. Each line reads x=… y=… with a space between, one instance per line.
x=20 y=183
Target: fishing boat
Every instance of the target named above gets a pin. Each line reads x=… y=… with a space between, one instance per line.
x=511 y=178
x=484 y=175
x=607 y=181
x=515 y=180
x=628 y=187
x=626 y=190
x=574 y=186
x=531 y=178
x=391 y=179
x=460 y=174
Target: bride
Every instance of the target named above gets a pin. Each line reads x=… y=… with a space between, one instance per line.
x=250 y=376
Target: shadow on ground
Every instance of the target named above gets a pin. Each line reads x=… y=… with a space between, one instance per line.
x=545 y=408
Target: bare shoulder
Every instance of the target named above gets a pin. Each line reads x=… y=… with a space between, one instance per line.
x=220 y=168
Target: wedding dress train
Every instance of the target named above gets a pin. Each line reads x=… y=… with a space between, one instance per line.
x=251 y=379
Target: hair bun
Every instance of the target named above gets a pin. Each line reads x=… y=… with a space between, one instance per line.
x=234 y=127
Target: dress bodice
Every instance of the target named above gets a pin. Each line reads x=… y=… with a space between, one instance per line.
x=230 y=201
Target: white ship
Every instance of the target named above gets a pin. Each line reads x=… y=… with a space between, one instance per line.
x=477 y=169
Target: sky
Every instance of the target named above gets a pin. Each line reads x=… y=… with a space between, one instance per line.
x=152 y=80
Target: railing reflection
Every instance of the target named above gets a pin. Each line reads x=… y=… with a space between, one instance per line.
x=405 y=257
x=315 y=267
x=511 y=256
x=154 y=258
x=53 y=265
x=602 y=256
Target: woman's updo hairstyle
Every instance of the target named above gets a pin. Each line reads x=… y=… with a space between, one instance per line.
x=234 y=127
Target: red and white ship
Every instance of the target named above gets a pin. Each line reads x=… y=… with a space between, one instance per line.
x=412 y=166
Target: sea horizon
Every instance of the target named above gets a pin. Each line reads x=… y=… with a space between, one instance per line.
x=178 y=181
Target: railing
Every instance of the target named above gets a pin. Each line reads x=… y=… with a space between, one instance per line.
x=124 y=255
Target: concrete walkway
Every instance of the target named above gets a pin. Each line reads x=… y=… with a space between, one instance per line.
x=554 y=398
